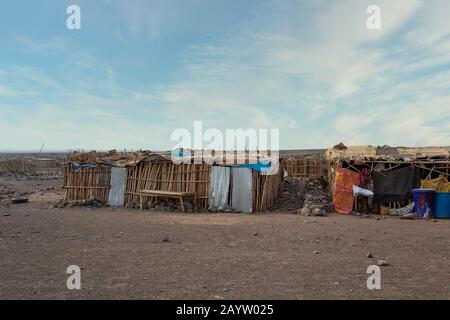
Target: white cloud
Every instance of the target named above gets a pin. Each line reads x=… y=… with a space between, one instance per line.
x=310 y=68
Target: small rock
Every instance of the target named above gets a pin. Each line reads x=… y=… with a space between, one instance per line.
x=316 y=252
x=369 y=255
x=318 y=212
x=383 y=263
x=305 y=211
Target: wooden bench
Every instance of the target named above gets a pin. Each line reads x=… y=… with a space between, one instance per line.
x=167 y=194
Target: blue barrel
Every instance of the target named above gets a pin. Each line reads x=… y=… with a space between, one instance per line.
x=442 y=205
x=424 y=202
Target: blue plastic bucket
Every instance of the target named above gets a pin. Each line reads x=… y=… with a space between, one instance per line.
x=424 y=202
x=442 y=205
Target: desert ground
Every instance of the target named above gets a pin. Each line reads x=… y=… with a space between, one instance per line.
x=132 y=254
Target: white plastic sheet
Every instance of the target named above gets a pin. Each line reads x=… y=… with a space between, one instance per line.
x=219 y=187
x=357 y=191
x=242 y=185
x=116 y=197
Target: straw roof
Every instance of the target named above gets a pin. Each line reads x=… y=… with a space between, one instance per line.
x=342 y=152
x=124 y=159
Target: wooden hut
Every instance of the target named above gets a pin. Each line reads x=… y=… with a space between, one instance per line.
x=88 y=175
x=427 y=162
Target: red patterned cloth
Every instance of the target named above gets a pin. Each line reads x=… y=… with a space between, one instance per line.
x=343 y=189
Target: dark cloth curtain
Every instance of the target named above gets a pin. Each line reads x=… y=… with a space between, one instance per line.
x=395 y=185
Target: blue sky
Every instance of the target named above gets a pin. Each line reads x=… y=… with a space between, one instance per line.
x=137 y=70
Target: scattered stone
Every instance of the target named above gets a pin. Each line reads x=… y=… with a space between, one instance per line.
x=316 y=252
x=383 y=263
x=5 y=202
x=369 y=255
x=305 y=211
x=318 y=212
x=290 y=195
x=316 y=201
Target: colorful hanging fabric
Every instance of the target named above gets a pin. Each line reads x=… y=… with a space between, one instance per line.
x=343 y=189
x=365 y=178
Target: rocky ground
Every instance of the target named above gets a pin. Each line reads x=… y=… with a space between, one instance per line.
x=303 y=195
x=317 y=201
x=126 y=253
x=291 y=195
x=17 y=185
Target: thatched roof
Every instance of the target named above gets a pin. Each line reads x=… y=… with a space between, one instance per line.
x=124 y=159
x=341 y=152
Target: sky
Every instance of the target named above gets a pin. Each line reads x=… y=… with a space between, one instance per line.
x=137 y=70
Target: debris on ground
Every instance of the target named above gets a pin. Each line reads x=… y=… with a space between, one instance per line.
x=91 y=202
x=408 y=216
x=383 y=263
x=290 y=196
x=18 y=200
x=316 y=201
x=166 y=206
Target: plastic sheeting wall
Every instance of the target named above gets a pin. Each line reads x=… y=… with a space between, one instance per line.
x=219 y=187
x=117 y=187
x=242 y=185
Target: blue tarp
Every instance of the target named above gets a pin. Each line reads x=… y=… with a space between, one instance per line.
x=75 y=166
x=180 y=154
x=263 y=166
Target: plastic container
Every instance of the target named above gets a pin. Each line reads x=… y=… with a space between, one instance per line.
x=424 y=202
x=442 y=205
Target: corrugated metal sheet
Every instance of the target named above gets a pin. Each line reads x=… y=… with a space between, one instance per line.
x=117 y=187
x=219 y=187
x=242 y=185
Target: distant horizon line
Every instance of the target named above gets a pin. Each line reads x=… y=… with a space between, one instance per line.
x=160 y=151
x=128 y=150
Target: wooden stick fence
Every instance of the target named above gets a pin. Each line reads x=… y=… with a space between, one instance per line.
x=167 y=176
x=195 y=178
x=18 y=166
x=265 y=190
x=302 y=166
x=86 y=183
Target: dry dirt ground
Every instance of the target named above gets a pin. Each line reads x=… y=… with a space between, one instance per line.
x=128 y=254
